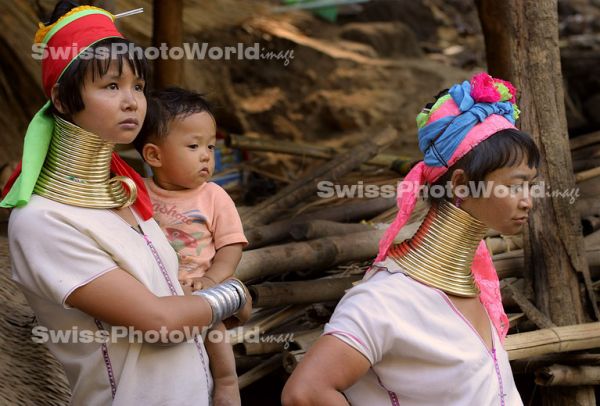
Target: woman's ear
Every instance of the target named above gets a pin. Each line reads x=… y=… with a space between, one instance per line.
x=151 y=154
x=458 y=178
x=55 y=101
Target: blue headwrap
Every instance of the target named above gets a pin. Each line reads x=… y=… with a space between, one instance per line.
x=439 y=139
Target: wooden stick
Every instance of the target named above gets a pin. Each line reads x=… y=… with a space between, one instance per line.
x=323 y=228
x=530 y=365
x=273 y=294
x=321 y=253
x=588 y=206
x=562 y=375
x=587 y=175
x=584 y=140
x=265 y=324
x=353 y=211
x=259 y=348
x=262 y=370
x=291 y=359
x=532 y=312
x=309 y=150
x=553 y=340
x=302 y=188
x=510 y=264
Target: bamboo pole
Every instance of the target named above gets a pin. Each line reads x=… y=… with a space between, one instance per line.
x=353 y=211
x=553 y=340
x=302 y=188
x=273 y=294
x=563 y=375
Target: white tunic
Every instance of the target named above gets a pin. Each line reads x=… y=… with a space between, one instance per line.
x=422 y=350
x=55 y=249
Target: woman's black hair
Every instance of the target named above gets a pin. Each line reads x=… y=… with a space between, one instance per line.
x=508 y=147
x=100 y=57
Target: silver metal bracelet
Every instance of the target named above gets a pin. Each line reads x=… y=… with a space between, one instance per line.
x=224 y=299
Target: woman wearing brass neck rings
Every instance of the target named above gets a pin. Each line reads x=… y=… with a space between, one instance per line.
x=426 y=325
x=92 y=263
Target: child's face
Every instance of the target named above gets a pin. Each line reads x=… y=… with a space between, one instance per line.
x=115 y=106
x=187 y=155
x=507 y=207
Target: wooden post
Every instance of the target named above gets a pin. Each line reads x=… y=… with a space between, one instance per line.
x=168 y=30
x=521 y=39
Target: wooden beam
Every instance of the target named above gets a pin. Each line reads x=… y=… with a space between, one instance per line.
x=168 y=29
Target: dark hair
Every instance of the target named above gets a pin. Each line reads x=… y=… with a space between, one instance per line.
x=164 y=106
x=71 y=81
x=505 y=148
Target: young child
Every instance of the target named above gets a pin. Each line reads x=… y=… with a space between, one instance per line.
x=198 y=217
x=426 y=325
x=84 y=248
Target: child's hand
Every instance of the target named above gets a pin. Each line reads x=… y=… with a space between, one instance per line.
x=186 y=265
x=243 y=315
x=186 y=285
x=203 y=282
x=227 y=391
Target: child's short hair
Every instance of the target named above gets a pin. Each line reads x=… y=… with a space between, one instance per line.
x=164 y=106
x=71 y=81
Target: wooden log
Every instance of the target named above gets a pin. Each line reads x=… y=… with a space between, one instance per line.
x=273 y=294
x=530 y=365
x=553 y=340
x=588 y=206
x=584 y=140
x=587 y=175
x=590 y=224
x=511 y=264
x=291 y=359
x=563 y=375
x=264 y=324
x=308 y=150
x=324 y=228
x=321 y=253
x=262 y=370
x=585 y=164
x=259 y=348
x=353 y=211
x=501 y=244
x=532 y=313
x=301 y=189
x=167 y=29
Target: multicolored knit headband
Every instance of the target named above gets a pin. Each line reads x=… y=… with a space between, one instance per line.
x=470 y=113
x=65 y=40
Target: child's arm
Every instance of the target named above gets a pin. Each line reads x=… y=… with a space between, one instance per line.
x=223 y=266
x=222 y=365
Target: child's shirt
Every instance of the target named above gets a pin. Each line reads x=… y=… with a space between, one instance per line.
x=197 y=222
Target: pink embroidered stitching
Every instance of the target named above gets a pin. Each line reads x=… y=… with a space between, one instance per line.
x=107 y=363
